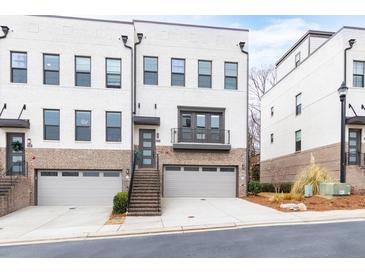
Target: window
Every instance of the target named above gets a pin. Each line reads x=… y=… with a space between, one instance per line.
x=51 y=69
x=83 y=125
x=177 y=72
x=298 y=104
x=272 y=111
x=113 y=126
x=230 y=75
x=297 y=59
x=70 y=174
x=113 y=72
x=18 y=67
x=51 y=124
x=201 y=126
x=298 y=140
x=272 y=138
x=150 y=67
x=358 y=74
x=90 y=174
x=82 y=71
x=111 y=174
x=204 y=74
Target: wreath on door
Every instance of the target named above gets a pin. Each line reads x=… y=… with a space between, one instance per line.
x=17 y=146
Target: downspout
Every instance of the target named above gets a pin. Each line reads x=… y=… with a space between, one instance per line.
x=139 y=36
x=124 y=38
x=242 y=45
x=5 y=30
x=343 y=117
x=351 y=43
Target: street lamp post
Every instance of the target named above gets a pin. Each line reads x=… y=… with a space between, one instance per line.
x=342 y=90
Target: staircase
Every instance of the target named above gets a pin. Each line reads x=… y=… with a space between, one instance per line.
x=145 y=197
x=6 y=189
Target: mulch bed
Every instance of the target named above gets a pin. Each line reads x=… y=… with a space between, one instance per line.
x=315 y=203
x=116 y=219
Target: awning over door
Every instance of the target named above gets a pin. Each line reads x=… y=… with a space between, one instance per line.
x=14 y=123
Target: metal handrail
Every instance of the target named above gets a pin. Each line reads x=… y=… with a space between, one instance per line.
x=136 y=155
x=8 y=172
x=200 y=135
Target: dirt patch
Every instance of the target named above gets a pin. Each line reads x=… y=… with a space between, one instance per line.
x=116 y=219
x=315 y=203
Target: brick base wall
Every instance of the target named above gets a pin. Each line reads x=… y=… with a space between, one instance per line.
x=24 y=192
x=235 y=157
x=288 y=168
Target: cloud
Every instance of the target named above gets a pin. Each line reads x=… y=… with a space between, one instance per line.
x=269 y=43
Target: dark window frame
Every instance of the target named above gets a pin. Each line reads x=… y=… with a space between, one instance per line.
x=211 y=72
x=76 y=72
x=76 y=126
x=358 y=75
x=184 y=73
x=144 y=71
x=45 y=70
x=11 y=67
x=44 y=123
x=106 y=126
x=106 y=72
x=298 y=144
x=230 y=77
x=298 y=107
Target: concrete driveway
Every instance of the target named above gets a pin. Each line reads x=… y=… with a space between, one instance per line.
x=52 y=222
x=178 y=215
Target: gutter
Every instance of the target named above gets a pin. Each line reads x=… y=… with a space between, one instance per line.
x=242 y=45
x=351 y=44
x=124 y=38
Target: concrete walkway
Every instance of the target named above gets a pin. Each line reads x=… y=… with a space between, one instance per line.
x=179 y=214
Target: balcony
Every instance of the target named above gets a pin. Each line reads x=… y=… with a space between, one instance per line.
x=200 y=139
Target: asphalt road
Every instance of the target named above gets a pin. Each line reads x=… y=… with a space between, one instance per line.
x=316 y=240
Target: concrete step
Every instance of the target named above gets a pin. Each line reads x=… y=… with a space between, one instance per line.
x=135 y=191
x=144 y=209
x=144 y=213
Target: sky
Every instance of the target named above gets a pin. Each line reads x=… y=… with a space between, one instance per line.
x=269 y=37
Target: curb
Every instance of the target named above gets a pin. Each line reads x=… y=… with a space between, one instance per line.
x=174 y=230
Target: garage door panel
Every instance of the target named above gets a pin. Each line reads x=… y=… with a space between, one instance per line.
x=77 y=190
x=184 y=183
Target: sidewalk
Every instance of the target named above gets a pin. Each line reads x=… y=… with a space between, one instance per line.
x=179 y=216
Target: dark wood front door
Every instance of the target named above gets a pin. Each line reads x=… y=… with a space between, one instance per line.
x=354 y=147
x=15 y=153
x=147 y=146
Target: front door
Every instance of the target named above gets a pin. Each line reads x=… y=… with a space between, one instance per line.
x=354 y=149
x=15 y=153
x=147 y=146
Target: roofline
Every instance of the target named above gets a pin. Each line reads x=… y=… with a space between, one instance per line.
x=189 y=25
x=139 y=21
x=85 y=19
x=301 y=39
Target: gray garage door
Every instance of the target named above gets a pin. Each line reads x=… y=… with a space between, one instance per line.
x=194 y=181
x=77 y=188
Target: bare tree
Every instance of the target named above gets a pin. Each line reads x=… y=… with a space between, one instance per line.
x=260 y=81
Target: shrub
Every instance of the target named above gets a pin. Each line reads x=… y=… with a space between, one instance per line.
x=279 y=197
x=254 y=187
x=120 y=201
x=284 y=187
x=313 y=175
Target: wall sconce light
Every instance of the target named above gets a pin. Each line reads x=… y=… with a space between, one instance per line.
x=29 y=142
x=127 y=171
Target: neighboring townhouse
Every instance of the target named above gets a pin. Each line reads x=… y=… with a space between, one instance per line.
x=74 y=109
x=301 y=114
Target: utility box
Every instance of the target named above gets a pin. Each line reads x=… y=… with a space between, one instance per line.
x=334 y=189
x=308 y=191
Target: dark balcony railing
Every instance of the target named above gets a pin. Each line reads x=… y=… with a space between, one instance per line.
x=200 y=135
x=355 y=158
